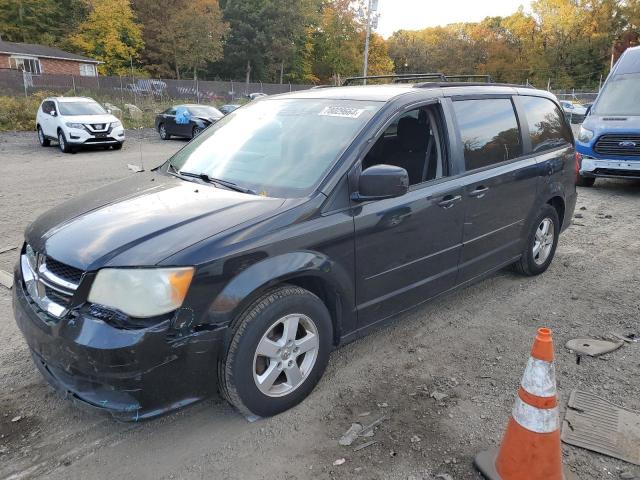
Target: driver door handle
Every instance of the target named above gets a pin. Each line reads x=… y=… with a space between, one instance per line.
x=449 y=201
x=479 y=192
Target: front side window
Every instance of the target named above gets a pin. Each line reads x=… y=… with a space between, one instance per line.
x=489 y=131
x=620 y=96
x=412 y=141
x=277 y=147
x=547 y=128
x=26 y=64
x=81 y=108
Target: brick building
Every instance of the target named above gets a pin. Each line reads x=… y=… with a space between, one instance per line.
x=39 y=59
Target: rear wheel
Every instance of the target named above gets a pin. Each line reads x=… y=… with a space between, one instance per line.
x=585 y=181
x=62 y=143
x=279 y=351
x=44 y=141
x=162 y=130
x=542 y=242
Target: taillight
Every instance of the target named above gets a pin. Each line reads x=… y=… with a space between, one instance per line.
x=578 y=163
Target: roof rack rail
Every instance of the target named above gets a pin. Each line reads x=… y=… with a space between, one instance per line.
x=396 y=78
x=469 y=84
x=488 y=78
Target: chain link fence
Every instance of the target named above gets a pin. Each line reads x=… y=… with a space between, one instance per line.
x=149 y=95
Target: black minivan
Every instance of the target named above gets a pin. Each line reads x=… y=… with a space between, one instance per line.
x=289 y=227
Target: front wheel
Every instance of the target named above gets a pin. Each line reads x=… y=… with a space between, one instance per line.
x=117 y=146
x=541 y=244
x=279 y=351
x=63 y=144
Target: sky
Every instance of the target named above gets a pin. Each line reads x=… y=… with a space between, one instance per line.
x=418 y=14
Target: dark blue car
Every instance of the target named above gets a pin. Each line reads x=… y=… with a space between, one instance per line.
x=608 y=145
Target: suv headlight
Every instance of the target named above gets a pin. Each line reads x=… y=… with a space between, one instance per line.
x=141 y=293
x=116 y=124
x=585 y=135
x=75 y=125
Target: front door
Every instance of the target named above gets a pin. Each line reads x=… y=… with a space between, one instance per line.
x=407 y=248
x=500 y=184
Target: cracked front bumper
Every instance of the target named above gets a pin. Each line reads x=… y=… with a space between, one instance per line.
x=131 y=374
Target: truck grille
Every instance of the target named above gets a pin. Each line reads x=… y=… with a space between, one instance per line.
x=50 y=284
x=618 y=145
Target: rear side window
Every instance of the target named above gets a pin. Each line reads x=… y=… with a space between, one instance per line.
x=547 y=128
x=489 y=131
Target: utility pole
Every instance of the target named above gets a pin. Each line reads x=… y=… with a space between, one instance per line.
x=371 y=16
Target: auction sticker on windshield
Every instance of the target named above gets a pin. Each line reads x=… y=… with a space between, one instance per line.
x=344 y=112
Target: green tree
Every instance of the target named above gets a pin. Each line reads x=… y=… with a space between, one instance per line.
x=45 y=22
x=111 y=35
x=180 y=35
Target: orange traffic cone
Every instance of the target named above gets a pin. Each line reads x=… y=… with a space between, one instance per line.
x=530 y=448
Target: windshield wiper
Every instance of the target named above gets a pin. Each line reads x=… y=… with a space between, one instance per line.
x=216 y=181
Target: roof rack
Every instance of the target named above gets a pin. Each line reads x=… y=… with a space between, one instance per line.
x=399 y=78
x=469 y=84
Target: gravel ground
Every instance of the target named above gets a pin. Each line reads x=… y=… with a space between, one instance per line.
x=471 y=345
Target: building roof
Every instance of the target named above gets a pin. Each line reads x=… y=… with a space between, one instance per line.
x=42 y=51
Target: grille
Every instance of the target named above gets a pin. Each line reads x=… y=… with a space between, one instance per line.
x=57 y=296
x=70 y=274
x=98 y=126
x=617 y=172
x=618 y=145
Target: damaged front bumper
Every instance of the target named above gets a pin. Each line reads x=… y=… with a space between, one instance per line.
x=131 y=374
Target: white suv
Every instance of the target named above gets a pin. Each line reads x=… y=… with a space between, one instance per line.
x=77 y=121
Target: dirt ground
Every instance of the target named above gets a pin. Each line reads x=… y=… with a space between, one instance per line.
x=471 y=345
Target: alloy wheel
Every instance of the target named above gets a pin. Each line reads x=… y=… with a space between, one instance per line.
x=163 y=132
x=543 y=241
x=285 y=355
x=62 y=142
x=40 y=136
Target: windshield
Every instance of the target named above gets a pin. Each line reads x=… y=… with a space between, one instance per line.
x=279 y=147
x=80 y=108
x=620 y=96
x=205 y=112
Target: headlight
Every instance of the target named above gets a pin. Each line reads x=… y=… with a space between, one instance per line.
x=141 y=293
x=585 y=135
x=75 y=125
x=116 y=124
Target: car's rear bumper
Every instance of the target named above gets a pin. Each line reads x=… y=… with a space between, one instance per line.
x=131 y=374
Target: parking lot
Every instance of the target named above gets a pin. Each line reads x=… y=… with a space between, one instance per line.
x=470 y=346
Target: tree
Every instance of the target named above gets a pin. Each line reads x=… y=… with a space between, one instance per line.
x=45 y=22
x=111 y=35
x=199 y=34
x=180 y=35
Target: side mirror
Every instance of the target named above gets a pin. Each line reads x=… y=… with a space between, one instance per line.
x=108 y=110
x=381 y=181
x=53 y=113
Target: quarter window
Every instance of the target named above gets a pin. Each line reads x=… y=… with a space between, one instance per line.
x=489 y=131
x=547 y=127
x=26 y=64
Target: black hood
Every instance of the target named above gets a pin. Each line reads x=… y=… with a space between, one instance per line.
x=141 y=221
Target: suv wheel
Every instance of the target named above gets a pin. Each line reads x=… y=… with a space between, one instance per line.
x=44 y=141
x=278 y=353
x=162 y=130
x=585 y=181
x=62 y=143
x=542 y=242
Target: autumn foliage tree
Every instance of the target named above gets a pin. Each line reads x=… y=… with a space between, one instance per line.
x=109 y=34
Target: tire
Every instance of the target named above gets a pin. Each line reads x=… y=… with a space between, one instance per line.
x=196 y=131
x=163 y=132
x=531 y=264
x=263 y=324
x=63 y=144
x=44 y=141
x=585 y=181
x=117 y=146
